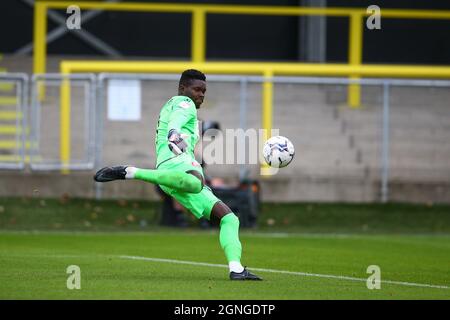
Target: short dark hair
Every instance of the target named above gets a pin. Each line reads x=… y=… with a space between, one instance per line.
x=189 y=75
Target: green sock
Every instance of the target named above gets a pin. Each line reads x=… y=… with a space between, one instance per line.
x=229 y=237
x=171 y=178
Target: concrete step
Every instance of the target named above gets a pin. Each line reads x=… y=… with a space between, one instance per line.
x=321 y=125
x=299 y=94
x=307 y=157
x=398 y=135
x=312 y=107
x=6 y=87
x=10 y=115
x=7 y=101
x=408 y=149
x=12 y=130
x=14 y=144
x=407 y=127
x=400 y=116
x=14 y=158
x=407 y=161
x=419 y=173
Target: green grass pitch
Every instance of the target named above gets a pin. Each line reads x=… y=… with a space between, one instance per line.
x=33 y=265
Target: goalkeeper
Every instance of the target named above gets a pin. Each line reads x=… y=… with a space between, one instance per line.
x=180 y=175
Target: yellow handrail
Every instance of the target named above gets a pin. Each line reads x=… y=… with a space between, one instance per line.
x=199 y=12
x=40 y=43
x=259 y=68
x=242 y=9
x=198 y=47
x=355 y=56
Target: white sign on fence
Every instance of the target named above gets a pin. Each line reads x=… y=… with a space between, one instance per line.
x=124 y=100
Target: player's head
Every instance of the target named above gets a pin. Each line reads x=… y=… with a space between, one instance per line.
x=193 y=85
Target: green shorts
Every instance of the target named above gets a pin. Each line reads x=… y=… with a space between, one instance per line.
x=199 y=204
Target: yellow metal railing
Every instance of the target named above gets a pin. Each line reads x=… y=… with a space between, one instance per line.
x=353 y=69
x=198 y=28
x=258 y=68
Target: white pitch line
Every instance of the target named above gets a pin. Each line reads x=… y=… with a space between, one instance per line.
x=306 y=274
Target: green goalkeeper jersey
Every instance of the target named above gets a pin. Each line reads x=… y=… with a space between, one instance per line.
x=178 y=113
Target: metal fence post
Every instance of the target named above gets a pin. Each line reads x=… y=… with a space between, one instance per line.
x=385 y=145
x=243 y=118
x=98 y=127
x=92 y=119
x=25 y=120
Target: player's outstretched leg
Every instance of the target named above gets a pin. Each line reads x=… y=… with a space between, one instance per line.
x=229 y=241
x=170 y=178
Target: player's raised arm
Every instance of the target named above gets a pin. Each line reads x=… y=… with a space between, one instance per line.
x=180 y=116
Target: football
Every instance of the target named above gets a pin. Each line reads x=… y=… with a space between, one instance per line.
x=278 y=151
